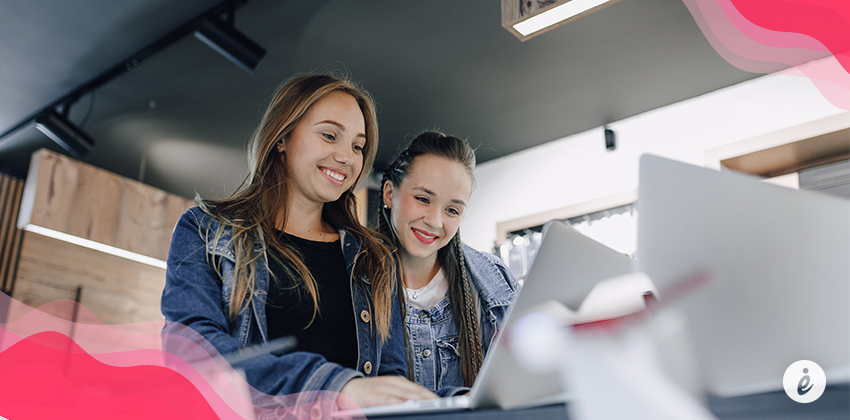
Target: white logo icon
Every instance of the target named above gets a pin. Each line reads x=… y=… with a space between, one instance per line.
x=804 y=381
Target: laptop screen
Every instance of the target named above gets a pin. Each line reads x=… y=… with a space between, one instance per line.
x=784 y=260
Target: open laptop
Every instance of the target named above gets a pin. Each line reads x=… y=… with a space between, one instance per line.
x=566 y=268
x=784 y=259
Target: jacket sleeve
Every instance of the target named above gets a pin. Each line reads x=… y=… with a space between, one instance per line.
x=192 y=298
x=451 y=391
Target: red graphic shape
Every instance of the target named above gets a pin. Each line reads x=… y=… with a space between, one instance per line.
x=47 y=375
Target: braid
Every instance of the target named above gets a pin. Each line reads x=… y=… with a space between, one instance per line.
x=383 y=227
x=471 y=348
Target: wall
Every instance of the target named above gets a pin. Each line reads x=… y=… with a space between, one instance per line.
x=577 y=169
x=100 y=207
x=115 y=290
x=75 y=198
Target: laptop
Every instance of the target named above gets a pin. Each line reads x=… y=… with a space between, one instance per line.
x=566 y=268
x=784 y=260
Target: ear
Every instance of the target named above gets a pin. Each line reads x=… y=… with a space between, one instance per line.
x=387 y=194
x=281 y=145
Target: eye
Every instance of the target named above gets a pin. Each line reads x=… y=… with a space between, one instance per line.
x=329 y=136
x=453 y=211
x=424 y=200
x=358 y=148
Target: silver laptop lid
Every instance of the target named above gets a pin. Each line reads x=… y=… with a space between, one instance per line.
x=566 y=268
x=784 y=257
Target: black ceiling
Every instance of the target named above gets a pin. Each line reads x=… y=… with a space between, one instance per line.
x=181 y=120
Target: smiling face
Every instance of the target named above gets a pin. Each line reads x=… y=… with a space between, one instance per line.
x=426 y=209
x=324 y=152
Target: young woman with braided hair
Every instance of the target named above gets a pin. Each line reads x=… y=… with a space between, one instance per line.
x=456 y=295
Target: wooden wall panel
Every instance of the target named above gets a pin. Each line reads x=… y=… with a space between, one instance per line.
x=11 y=190
x=79 y=199
x=114 y=289
x=793 y=157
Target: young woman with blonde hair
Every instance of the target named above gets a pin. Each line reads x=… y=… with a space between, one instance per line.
x=286 y=256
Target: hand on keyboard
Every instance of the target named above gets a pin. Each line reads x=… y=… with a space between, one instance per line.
x=381 y=390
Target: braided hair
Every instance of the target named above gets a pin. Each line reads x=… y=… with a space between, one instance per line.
x=450 y=257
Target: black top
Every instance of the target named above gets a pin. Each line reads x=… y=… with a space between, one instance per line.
x=289 y=307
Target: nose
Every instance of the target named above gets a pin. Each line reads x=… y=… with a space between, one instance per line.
x=433 y=217
x=344 y=154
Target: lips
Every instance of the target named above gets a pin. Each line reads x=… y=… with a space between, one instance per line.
x=424 y=236
x=333 y=175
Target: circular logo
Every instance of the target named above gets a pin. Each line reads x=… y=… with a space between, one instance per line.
x=804 y=381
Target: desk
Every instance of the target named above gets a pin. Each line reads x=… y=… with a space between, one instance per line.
x=834 y=404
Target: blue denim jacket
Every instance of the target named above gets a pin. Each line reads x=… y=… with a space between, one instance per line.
x=196 y=297
x=434 y=335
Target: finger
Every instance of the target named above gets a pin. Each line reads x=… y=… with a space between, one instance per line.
x=407 y=390
x=391 y=399
x=424 y=394
x=420 y=391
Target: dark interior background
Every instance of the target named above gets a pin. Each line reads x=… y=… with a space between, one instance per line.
x=180 y=121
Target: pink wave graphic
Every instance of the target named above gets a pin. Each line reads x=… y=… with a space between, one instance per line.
x=809 y=38
x=47 y=376
x=51 y=367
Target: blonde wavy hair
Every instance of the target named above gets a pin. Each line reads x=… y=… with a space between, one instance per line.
x=251 y=212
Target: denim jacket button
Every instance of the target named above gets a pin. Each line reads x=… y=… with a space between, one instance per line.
x=423 y=314
x=365 y=316
x=426 y=353
x=367 y=368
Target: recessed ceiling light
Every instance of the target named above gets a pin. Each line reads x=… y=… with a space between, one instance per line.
x=526 y=21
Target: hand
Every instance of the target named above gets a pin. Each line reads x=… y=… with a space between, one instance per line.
x=381 y=390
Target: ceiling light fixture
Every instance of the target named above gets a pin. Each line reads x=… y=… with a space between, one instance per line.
x=229 y=42
x=57 y=127
x=64 y=133
x=529 y=18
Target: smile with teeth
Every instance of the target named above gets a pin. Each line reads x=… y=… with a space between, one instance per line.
x=335 y=175
x=424 y=237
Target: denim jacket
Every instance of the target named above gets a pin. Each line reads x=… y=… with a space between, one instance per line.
x=197 y=297
x=434 y=336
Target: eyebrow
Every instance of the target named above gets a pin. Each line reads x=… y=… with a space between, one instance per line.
x=341 y=127
x=429 y=192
